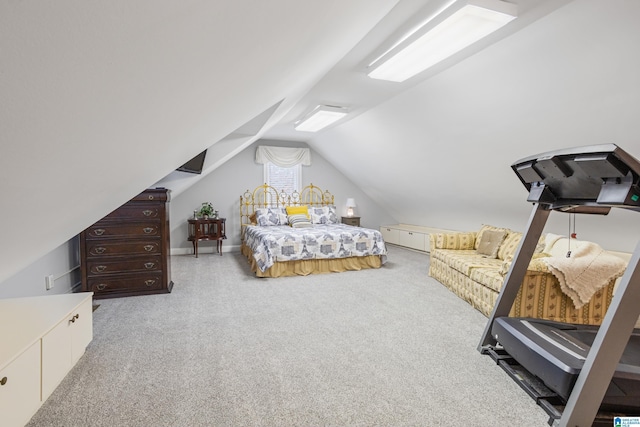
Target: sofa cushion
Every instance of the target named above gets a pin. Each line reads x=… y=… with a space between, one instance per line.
x=508 y=248
x=490 y=243
x=461 y=241
x=485 y=228
x=447 y=255
x=465 y=261
x=489 y=277
x=536 y=265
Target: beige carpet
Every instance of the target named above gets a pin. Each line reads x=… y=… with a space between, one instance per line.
x=387 y=347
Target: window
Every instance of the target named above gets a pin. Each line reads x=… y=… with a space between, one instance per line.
x=283 y=179
x=283 y=166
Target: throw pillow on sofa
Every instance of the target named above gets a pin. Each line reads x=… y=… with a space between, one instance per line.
x=484 y=228
x=490 y=242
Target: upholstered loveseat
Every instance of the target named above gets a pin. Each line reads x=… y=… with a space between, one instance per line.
x=474 y=265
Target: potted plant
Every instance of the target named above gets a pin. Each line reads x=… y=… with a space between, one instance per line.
x=206 y=210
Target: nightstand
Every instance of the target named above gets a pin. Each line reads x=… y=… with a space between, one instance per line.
x=351 y=220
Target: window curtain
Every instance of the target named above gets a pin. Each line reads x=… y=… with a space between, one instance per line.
x=285 y=157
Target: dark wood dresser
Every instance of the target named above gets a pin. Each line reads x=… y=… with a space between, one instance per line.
x=128 y=252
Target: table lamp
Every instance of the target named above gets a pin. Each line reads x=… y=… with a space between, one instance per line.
x=351 y=203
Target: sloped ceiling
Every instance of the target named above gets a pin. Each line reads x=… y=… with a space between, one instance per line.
x=103 y=99
x=439 y=152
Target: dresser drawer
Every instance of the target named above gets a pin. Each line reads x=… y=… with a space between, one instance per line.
x=105 y=248
x=152 y=195
x=136 y=211
x=136 y=283
x=127 y=229
x=137 y=264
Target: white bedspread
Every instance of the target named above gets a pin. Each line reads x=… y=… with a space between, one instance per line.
x=284 y=243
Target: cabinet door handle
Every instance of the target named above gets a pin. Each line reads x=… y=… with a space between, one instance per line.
x=74 y=318
x=99 y=231
x=149 y=282
x=101 y=268
x=149 y=265
x=148 y=248
x=100 y=250
x=3 y=381
x=101 y=286
x=147 y=212
x=148 y=230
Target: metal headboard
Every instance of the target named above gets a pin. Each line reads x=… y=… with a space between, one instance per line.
x=266 y=196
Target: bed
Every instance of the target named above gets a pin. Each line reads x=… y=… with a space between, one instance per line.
x=278 y=240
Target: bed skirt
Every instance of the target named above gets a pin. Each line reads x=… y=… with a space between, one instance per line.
x=312 y=266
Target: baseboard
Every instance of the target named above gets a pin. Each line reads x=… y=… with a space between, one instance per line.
x=77 y=287
x=205 y=250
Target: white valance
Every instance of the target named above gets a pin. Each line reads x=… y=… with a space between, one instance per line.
x=285 y=157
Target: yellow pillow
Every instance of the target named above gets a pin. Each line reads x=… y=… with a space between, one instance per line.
x=298 y=210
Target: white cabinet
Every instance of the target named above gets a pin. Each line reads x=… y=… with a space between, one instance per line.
x=410 y=236
x=413 y=239
x=390 y=235
x=20 y=387
x=42 y=338
x=63 y=345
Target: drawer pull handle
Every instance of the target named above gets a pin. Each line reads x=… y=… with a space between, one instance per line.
x=74 y=318
x=148 y=230
x=148 y=248
x=101 y=268
x=100 y=250
x=3 y=381
x=150 y=197
x=149 y=282
x=101 y=286
x=147 y=212
x=99 y=231
x=149 y=265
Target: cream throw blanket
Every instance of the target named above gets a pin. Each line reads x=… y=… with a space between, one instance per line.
x=588 y=270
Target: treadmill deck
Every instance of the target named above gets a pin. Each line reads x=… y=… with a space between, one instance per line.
x=555 y=353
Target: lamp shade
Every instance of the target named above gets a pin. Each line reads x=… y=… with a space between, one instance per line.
x=351 y=203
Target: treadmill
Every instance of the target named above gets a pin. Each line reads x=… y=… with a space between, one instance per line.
x=584 y=370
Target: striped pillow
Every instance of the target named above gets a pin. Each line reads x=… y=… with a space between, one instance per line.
x=299 y=221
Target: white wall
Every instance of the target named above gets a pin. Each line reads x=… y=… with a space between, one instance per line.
x=104 y=98
x=444 y=148
x=224 y=186
x=63 y=263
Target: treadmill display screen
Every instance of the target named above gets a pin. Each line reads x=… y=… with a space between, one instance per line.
x=586 y=179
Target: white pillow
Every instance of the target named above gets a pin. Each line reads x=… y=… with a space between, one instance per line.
x=271 y=216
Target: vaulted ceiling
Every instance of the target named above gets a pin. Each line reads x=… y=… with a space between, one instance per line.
x=103 y=99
